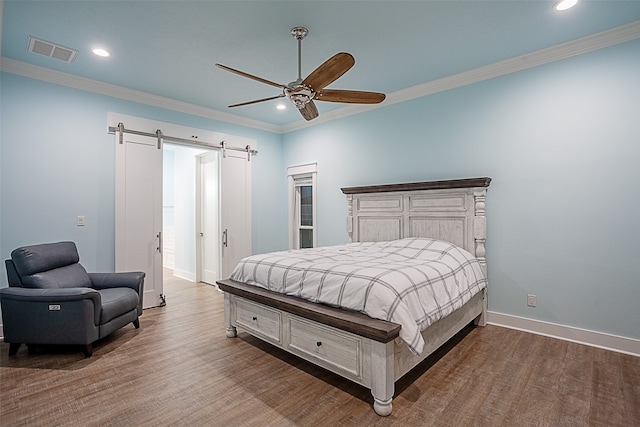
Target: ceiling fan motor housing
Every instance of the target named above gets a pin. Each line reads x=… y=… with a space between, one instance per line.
x=300 y=95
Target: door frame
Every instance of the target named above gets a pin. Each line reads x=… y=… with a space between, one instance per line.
x=195 y=135
x=200 y=213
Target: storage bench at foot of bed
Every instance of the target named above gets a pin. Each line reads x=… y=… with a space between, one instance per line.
x=352 y=345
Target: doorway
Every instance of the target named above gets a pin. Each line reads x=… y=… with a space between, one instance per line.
x=141 y=200
x=190 y=212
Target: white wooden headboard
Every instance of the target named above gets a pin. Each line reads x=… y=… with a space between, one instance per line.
x=452 y=210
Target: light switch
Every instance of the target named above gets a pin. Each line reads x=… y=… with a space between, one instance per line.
x=80 y=220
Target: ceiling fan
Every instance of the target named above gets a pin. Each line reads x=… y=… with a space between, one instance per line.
x=302 y=92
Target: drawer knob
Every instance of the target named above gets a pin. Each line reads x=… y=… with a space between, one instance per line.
x=319 y=343
x=254 y=318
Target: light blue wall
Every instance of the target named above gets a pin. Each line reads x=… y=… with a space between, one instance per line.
x=57 y=161
x=562 y=144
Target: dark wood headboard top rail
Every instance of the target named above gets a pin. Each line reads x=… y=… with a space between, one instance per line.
x=356 y=323
x=428 y=185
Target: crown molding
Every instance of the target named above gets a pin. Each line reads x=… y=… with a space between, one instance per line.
x=555 y=53
x=45 y=74
x=559 y=52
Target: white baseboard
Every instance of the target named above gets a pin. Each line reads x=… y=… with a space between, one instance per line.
x=567 y=333
x=186 y=275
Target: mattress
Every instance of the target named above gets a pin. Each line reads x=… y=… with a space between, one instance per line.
x=413 y=282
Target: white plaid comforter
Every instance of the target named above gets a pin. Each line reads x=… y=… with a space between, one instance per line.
x=413 y=282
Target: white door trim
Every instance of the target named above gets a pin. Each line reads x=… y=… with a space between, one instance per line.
x=150 y=126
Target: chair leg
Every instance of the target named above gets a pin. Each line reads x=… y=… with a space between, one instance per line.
x=13 y=348
x=88 y=350
x=136 y=323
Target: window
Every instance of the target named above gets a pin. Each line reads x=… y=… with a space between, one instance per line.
x=302 y=206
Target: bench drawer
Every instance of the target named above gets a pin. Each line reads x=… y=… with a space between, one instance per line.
x=262 y=320
x=330 y=347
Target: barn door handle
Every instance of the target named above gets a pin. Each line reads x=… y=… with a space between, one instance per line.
x=159 y=236
x=224 y=238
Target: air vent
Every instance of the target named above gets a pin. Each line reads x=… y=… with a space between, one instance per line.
x=51 y=50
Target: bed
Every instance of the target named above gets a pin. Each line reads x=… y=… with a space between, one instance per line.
x=363 y=349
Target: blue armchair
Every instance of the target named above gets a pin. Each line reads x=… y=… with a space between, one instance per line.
x=51 y=299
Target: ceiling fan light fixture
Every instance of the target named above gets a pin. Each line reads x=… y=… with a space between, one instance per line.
x=564 y=5
x=299 y=100
x=300 y=95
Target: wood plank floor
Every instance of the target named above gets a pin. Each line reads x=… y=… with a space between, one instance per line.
x=180 y=369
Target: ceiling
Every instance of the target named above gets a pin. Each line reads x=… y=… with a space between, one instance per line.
x=170 y=48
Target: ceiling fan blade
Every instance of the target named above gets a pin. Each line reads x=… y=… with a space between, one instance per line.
x=256 y=101
x=349 y=96
x=309 y=111
x=329 y=71
x=250 y=76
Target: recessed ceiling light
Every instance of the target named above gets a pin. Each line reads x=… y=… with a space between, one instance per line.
x=101 y=52
x=564 y=4
x=281 y=107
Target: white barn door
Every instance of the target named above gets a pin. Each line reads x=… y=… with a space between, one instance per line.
x=139 y=201
x=235 y=209
x=138 y=212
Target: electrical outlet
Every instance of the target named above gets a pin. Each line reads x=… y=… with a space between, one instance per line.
x=531 y=300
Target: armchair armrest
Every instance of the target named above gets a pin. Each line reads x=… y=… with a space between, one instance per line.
x=133 y=280
x=51 y=295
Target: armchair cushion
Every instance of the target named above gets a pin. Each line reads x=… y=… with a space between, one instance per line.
x=70 y=276
x=43 y=257
x=116 y=301
x=50 y=265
